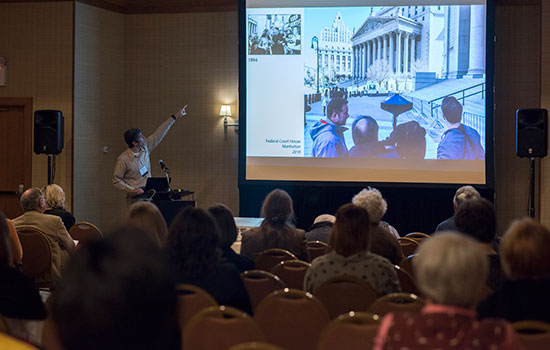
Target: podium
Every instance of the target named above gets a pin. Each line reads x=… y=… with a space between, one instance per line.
x=171 y=208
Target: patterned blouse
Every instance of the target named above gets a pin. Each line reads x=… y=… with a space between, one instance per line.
x=375 y=270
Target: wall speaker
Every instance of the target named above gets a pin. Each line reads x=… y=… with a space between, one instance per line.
x=48 y=132
x=532 y=132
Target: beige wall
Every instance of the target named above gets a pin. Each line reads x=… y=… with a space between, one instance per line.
x=517 y=85
x=37 y=41
x=99 y=112
x=176 y=59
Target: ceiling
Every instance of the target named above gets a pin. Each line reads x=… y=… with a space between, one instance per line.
x=155 y=6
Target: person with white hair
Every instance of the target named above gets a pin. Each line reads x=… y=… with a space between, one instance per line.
x=55 y=205
x=451 y=271
x=464 y=193
x=372 y=201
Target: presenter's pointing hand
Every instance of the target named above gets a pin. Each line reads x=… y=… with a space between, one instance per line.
x=181 y=112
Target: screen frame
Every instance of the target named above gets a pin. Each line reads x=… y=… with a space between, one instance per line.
x=489 y=115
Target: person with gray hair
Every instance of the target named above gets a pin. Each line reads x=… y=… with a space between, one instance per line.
x=33 y=204
x=451 y=270
x=372 y=201
x=464 y=193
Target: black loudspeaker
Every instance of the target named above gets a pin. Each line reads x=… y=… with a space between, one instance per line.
x=48 y=132
x=532 y=132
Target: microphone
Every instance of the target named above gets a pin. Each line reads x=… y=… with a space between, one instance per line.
x=163 y=166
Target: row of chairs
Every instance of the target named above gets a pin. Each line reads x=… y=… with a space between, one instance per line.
x=292 y=319
x=37 y=257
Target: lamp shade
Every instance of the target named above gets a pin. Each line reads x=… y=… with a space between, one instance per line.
x=225 y=111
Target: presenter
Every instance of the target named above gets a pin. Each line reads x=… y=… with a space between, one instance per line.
x=133 y=167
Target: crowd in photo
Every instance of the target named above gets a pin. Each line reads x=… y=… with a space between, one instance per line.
x=149 y=285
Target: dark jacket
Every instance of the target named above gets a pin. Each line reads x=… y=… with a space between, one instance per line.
x=68 y=218
x=518 y=301
x=19 y=297
x=225 y=285
x=241 y=262
x=254 y=242
x=319 y=231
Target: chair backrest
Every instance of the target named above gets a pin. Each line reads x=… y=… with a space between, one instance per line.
x=397 y=302
x=292 y=272
x=260 y=284
x=191 y=300
x=407 y=265
x=417 y=236
x=343 y=294
x=37 y=257
x=407 y=283
x=353 y=331
x=316 y=249
x=533 y=335
x=292 y=319
x=408 y=245
x=271 y=257
x=85 y=232
x=218 y=328
x=255 y=346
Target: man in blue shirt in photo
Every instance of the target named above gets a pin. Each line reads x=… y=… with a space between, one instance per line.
x=459 y=141
x=328 y=135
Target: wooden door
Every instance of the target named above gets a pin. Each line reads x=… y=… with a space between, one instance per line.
x=15 y=152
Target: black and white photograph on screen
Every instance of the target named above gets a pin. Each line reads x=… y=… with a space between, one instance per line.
x=275 y=34
x=395 y=82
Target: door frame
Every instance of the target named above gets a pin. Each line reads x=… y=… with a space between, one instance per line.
x=26 y=103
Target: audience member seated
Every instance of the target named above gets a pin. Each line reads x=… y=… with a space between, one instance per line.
x=451 y=271
x=228 y=235
x=383 y=243
x=20 y=303
x=464 y=193
x=55 y=205
x=350 y=256
x=477 y=219
x=117 y=293
x=16 y=249
x=147 y=216
x=276 y=230
x=372 y=201
x=320 y=230
x=193 y=253
x=525 y=258
x=364 y=131
x=33 y=204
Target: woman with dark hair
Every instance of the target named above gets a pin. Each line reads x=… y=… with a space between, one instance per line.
x=228 y=235
x=193 y=253
x=350 y=240
x=276 y=230
x=20 y=302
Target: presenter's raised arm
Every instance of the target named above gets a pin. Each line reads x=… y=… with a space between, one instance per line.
x=156 y=137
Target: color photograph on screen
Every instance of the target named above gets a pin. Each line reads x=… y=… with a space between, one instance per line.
x=378 y=82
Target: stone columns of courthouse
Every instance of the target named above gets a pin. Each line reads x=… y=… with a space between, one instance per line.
x=477 y=40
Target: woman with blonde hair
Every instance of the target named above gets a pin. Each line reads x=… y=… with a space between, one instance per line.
x=55 y=204
x=276 y=230
x=148 y=218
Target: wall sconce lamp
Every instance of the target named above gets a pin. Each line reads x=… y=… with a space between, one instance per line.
x=225 y=112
